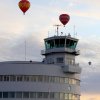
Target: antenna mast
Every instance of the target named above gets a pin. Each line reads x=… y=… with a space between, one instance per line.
x=75 y=33
x=57 y=29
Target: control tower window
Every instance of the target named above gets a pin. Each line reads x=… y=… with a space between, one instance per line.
x=59 y=43
x=62 y=42
x=71 y=44
x=49 y=44
x=60 y=60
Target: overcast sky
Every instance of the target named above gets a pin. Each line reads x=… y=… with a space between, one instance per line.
x=38 y=23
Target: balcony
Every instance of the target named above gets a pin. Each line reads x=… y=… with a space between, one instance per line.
x=60 y=50
x=72 y=69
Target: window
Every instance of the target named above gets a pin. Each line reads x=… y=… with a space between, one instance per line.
x=39 y=95
x=66 y=80
x=11 y=94
x=18 y=94
x=33 y=78
x=60 y=60
x=61 y=80
x=6 y=78
x=62 y=42
x=51 y=95
x=12 y=78
x=46 y=78
x=1 y=78
x=0 y=94
x=70 y=96
x=26 y=78
x=46 y=95
x=49 y=44
x=25 y=94
x=70 y=81
x=57 y=79
x=5 y=94
x=66 y=96
x=61 y=96
x=57 y=43
x=33 y=95
x=19 y=78
x=57 y=95
x=40 y=78
x=52 y=79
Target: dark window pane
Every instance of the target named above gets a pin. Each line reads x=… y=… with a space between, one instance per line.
x=5 y=94
x=46 y=78
x=25 y=94
x=1 y=78
x=40 y=78
x=46 y=95
x=60 y=60
x=51 y=95
x=33 y=94
x=62 y=42
x=39 y=95
x=11 y=95
x=0 y=94
x=18 y=94
x=12 y=78
x=19 y=78
x=57 y=43
x=26 y=78
x=6 y=78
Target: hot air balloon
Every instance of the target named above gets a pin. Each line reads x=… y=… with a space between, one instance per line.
x=24 y=5
x=64 y=18
x=89 y=62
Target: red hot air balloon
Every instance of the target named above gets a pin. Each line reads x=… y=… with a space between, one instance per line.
x=24 y=5
x=64 y=18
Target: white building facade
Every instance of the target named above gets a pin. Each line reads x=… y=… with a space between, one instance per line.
x=57 y=77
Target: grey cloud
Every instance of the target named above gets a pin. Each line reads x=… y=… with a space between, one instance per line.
x=14 y=48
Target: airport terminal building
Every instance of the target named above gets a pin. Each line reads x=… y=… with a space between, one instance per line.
x=57 y=77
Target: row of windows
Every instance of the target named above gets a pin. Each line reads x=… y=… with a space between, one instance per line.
x=51 y=95
x=57 y=43
x=39 y=78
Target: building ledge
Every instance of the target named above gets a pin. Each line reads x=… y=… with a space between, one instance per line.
x=60 y=50
x=72 y=69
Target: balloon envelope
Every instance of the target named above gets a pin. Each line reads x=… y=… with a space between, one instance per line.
x=64 y=18
x=24 y=5
x=89 y=62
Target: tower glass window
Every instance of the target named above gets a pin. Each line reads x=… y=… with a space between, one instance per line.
x=49 y=44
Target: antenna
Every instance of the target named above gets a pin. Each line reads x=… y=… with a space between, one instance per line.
x=57 y=29
x=75 y=33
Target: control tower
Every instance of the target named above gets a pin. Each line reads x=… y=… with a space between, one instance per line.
x=61 y=50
